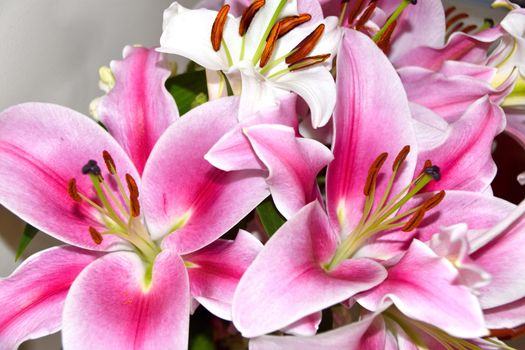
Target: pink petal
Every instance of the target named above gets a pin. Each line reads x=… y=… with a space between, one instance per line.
x=422 y=24
x=233 y=151
x=139 y=108
x=460 y=47
x=516 y=125
x=33 y=296
x=184 y=194
x=216 y=270
x=110 y=307
x=421 y=286
x=504 y=261
x=307 y=325
x=43 y=146
x=293 y=164
x=370 y=96
x=465 y=156
x=506 y=316
x=353 y=336
x=287 y=281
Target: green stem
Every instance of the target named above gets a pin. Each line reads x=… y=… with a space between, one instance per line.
x=262 y=43
x=393 y=17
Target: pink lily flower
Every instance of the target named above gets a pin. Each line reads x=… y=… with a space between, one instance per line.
x=146 y=243
x=319 y=259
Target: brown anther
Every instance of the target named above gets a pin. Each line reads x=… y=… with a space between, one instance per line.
x=449 y=10
x=95 y=235
x=433 y=201
x=456 y=28
x=248 y=15
x=132 y=186
x=308 y=62
x=373 y=172
x=72 y=190
x=291 y=22
x=135 y=206
x=355 y=11
x=507 y=333
x=270 y=45
x=306 y=45
x=384 y=41
x=110 y=163
x=469 y=28
x=218 y=27
x=365 y=16
x=414 y=221
x=456 y=18
x=400 y=158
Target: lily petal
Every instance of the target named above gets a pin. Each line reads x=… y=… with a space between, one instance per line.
x=187 y=198
x=111 y=305
x=516 y=125
x=33 y=296
x=305 y=326
x=287 y=282
x=43 y=146
x=370 y=96
x=421 y=286
x=293 y=164
x=506 y=316
x=216 y=270
x=139 y=108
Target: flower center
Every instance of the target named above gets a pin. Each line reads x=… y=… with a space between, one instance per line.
x=118 y=210
x=298 y=58
x=385 y=214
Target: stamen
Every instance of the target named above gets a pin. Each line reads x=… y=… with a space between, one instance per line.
x=95 y=235
x=132 y=186
x=433 y=171
x=384 y=41
x=92 y=168
x=135 y=206
x=72 y=190
x=456 y=18
x=428 y=164
x=455 y=28
x=218 y=27
x=270 y=45
x=433 y=201
x=308 y=62
x=469 y=28
x=414 y=221
x=355 y=11
x=306 y=45
x=248 y=15
x=449 y=10
x=373 y=172
x=110 y=163
x=401 y=158
x=291 y=22
x=365 y=16
x=393 y=18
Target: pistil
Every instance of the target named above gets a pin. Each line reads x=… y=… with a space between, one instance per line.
x=385 y=216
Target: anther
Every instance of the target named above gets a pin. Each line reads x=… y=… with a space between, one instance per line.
x=218 y=27
x=433 y=201
x=414 y=221
x=365 y=16
x=270 y=45
x=469 y=28
x=433 y=171
x=132 y=186
x=291 y=22
x=248 y=15
x=135 y=206
x=110 y=163
x=355 y=11
x=72 y=190
x=449 y=10
x=308 y=62
x=373 y=172
x=95 y=235
x=400 y=158
x=456 y=18
x=92 y=168
x=384 y=41
x=306 y=45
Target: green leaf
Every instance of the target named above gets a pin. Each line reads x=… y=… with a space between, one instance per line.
x=188 y=90
x=28 y=235
x=270 y=218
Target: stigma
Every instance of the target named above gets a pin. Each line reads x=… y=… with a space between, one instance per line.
x=385 y=212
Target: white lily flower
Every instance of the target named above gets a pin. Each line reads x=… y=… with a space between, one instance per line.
x=267 y=52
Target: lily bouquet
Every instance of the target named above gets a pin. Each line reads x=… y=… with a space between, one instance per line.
x=318 y=178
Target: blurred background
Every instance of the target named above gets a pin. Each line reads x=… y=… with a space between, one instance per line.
x=51 y=50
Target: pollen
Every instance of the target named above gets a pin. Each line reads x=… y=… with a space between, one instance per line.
x=308 y=62
x=72 y=190
x=248 y=15
x=110 y=163
x=270 y=45
x=367 y=14
x=306 y=46
x=95 y=235
x=400 y=158
x=433 y=201
x=414 y=221
x=218 y=27
x=373 y=172
x=132 y=186
x=291 y=22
